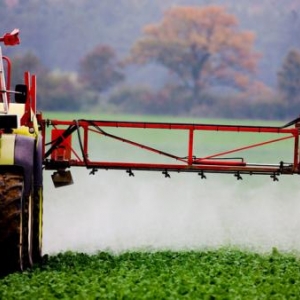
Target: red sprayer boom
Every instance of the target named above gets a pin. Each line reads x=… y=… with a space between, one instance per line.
x=61 y=155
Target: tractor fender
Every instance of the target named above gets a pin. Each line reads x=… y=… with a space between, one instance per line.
x=24 y=157
x=38 y=163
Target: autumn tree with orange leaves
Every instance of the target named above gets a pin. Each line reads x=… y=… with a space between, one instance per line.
x=202 y=46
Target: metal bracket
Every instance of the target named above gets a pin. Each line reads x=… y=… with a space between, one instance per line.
x=130 y=173
x=238 y=176
x=167 y=175
x=203 y=176
x=274 y=177
x=93 y=172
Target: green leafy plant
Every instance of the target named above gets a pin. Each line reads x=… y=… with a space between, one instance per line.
x=211 y=274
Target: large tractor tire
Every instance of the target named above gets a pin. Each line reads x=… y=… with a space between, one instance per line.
x=16 y=224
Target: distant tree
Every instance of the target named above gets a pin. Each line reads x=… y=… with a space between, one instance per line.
x=100 y=69
x=289 y=77
x=143 y=100
x=26 y=62
x=55 y=91
x=59 y=92
x=202 y=46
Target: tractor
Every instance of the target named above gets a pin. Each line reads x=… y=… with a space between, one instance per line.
x=21 y=150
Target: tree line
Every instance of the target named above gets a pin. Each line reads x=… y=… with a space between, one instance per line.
x=210 y=64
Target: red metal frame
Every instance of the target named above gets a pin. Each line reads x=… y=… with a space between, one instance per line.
x=214 y=163
x=8 y=75
x=30 y=105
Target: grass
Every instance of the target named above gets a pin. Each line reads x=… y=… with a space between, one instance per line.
x=153 y=118
x=218 y=274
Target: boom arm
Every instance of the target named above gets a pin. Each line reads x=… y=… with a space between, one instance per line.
x=60 y=154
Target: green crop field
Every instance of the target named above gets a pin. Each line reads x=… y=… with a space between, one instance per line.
x=157 y=238
x=220 y=274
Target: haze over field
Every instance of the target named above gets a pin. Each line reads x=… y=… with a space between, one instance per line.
x=110 y=211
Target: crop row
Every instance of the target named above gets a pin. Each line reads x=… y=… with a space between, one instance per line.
x=219 y=274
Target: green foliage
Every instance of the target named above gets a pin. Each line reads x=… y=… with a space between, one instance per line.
x=219 y=274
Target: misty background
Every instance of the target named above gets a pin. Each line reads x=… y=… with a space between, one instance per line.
x=60 y=34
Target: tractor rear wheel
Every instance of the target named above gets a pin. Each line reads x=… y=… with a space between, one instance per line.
x=15 y=224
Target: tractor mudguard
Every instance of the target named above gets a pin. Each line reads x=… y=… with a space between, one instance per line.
x=38 y=163
x=24 y=157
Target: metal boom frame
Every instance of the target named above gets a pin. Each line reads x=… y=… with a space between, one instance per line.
x=60 y=155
